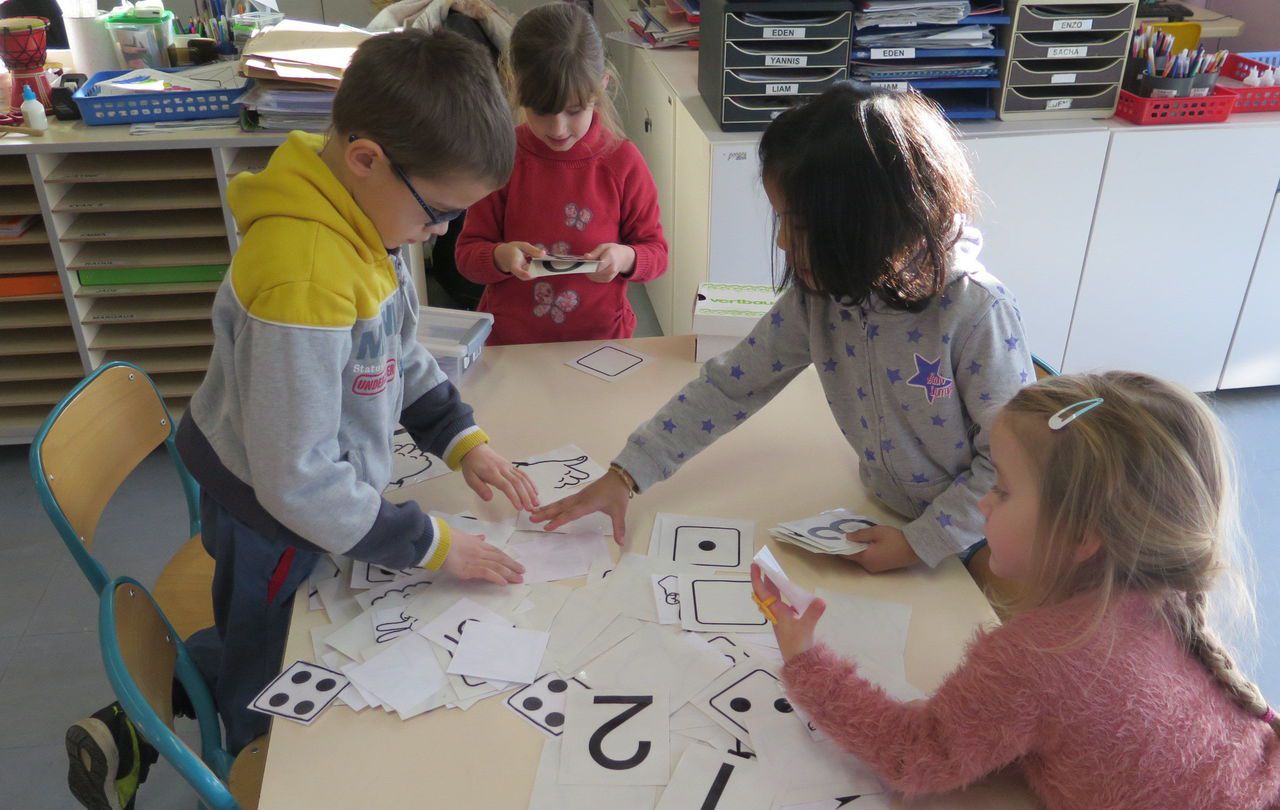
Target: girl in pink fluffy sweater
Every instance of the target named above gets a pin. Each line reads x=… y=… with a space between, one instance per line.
x=1112 y=511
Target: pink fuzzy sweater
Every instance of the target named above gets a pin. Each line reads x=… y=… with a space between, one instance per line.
x=1125 y=721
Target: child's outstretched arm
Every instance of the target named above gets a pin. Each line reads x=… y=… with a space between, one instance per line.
x=990 y=364
x=983 y=717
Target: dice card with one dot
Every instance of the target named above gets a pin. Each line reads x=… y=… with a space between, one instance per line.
x=300 y=693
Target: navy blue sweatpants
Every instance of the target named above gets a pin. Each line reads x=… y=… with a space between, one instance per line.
x=253 y=585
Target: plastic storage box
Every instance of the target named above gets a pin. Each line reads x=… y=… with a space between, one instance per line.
x=142 y=42
x=454 y=337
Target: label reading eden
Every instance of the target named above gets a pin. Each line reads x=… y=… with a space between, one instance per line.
x=893 y=87
x=893 y=53
x=781 y=89
x=784 y=33
x=1058 y=104
x=1073 y=52
x=1063 y=78
x=774 y=60
x=1073 y=25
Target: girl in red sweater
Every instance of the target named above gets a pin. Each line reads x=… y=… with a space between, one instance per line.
x=579 y=188
x=1112 y=512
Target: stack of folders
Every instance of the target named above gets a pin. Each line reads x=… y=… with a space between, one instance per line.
x=666 y=23
x=958 y=36
x=825 y=532
x=910 y=13
x=297 y=67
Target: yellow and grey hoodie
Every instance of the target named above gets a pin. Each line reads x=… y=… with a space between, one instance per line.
x=315 y=360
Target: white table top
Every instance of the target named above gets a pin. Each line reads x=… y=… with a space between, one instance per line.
x=787 y=461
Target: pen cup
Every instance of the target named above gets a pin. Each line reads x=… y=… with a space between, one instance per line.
x=1202 y=84
x=1164 y=86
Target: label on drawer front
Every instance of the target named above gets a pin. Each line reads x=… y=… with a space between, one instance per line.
x=895 y=87
x=1163 y=92
x=1058 y=104
x=781 y=89
x=1068 y=53
x=784 y=33
x=775 y=114
x=774 y=60
x=1063 y=78
x=893 y=53
x=1073 y=25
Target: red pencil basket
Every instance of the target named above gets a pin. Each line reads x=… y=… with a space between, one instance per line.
x=1209 y=109
x=1250 y=99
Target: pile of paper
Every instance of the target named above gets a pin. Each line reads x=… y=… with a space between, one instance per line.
x=216 y=76
x=959 y=36
x=298 y=67
x=910 y=13
x=665 y=23
x=891 y=71
x=666 y=649
x=825 y=532
x=15 y=226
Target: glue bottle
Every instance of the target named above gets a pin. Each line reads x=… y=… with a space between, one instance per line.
x=1253 y=79
x=1269 y=79
x=32 y=110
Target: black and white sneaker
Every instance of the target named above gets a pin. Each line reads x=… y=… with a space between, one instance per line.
x=108 y=760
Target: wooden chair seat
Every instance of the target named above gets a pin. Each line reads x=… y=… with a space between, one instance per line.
x=185 y=587
x=247 y=771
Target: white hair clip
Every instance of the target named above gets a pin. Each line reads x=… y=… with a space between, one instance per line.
x=1072 y=412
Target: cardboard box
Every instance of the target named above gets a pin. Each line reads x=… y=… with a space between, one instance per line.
x=724 y=314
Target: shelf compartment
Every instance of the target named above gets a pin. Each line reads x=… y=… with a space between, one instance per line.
x=119 y=278
x=14 y=171
x=20 y=424
x=41 y=367
x=117 y=290
x=250 y=159
x=34 y=392
x=115 y=167
x=119 y=226
x=151 y=309
x=18 y=201
x=45 y=340
x=152 y=335
x=29 y=314
x=26 y=259
x=35 y=235
x=138 y=197
x=162 y=361
x=39 y=285
x=163 y=253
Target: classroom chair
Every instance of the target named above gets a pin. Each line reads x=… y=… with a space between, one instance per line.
x=142 y=654
x=1000 y=592
x=94 y=438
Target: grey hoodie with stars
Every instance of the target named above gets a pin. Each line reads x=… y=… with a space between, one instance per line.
x=914 y=393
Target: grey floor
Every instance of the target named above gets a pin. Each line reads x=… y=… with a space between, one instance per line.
x=51 y=674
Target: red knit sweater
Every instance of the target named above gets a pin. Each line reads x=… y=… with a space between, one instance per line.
x=1126 y=720
x=568 y=203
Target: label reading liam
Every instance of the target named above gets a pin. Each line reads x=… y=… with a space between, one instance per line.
x=781 y=89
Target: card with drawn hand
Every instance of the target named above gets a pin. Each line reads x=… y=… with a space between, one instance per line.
x=300 y=693
x=609 y=362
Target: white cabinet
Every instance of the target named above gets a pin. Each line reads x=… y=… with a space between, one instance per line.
x=1035 y=214
x=743 y=250
x=1176 y=231
x=652 y=126
x=1255 y=352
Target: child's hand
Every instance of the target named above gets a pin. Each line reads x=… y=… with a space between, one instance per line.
x=615 y=260
x=794 y=633
x=470 y=557
x=608 y=494
x=482 y=468
x=513 y=258
x=887 y=549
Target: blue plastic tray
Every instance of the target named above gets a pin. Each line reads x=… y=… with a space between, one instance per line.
x=138 y=107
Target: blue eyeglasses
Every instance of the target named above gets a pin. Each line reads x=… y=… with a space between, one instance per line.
x=435 y=217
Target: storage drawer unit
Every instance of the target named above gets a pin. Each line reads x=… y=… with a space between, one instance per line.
x=758 y=57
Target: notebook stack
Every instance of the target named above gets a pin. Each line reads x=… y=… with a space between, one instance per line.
x=297 y=67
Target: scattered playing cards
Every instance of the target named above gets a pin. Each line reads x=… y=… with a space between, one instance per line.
x=300 y=693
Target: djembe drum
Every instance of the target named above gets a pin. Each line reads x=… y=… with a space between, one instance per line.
x=22 y=46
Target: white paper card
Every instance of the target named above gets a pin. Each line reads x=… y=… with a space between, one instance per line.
x=719 y=605
x=542 y=703
x=666 y=597
x=579 y=622
x=618 y=737
x=707 y=779
x=609 y=362
x=558 y=474
x=561 y=266
x=398 y=592
x=873 y=801
x=301 y=693
x=411 y=464
x=549 y=557
x=704 y=543
x=792 y=594
x=370 y=575
x=548 y=794
x=793 y=759
x=338 y=600
x=663 y=658
x=499 y=652
x=744 y=692
x=403 y=676
x=448 y=628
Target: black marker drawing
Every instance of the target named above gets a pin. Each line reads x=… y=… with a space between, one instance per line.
x=704 y=614
x=402 y=591
x=716 y=546
x=637 y=703
x=389 y=631
x=734 y=700
x=732 y=656
x=718 y=785
x=571 y=476
x=845 y=801
x=839 y=528
x=410 y=461
x=738 y=751
x=668 y=584
x=607 y=352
